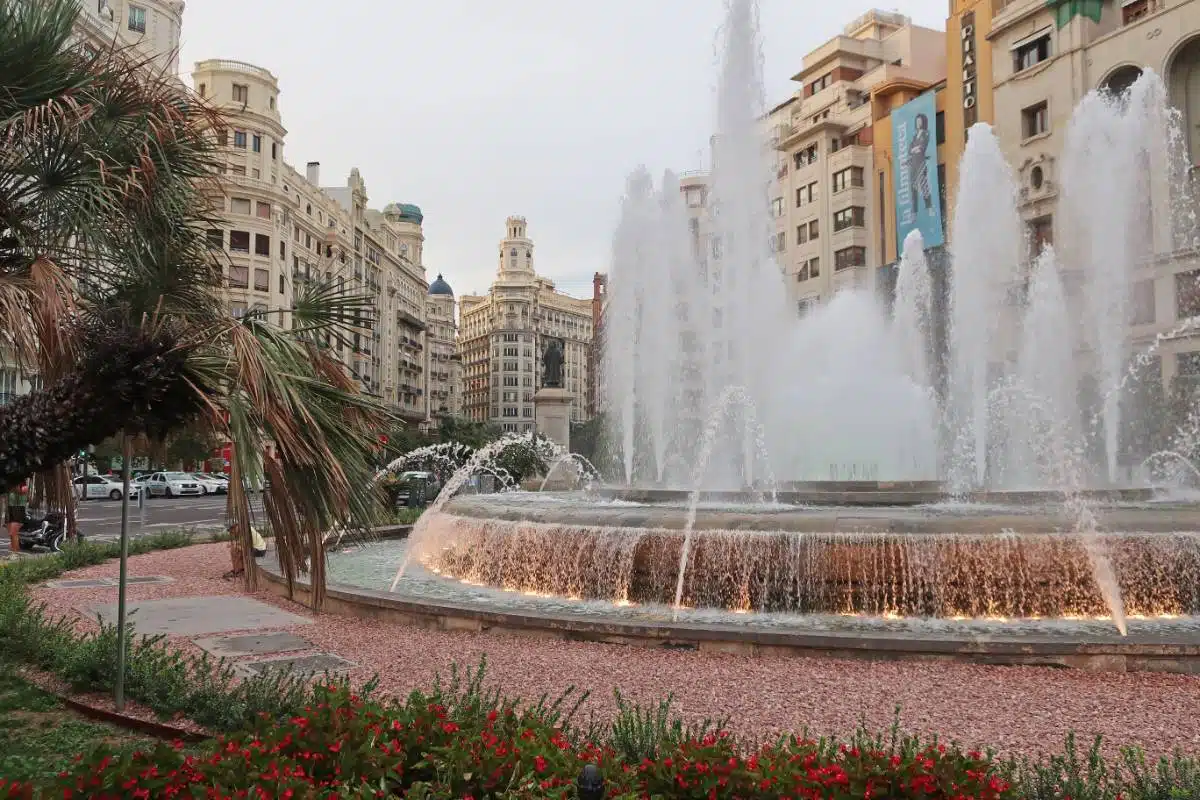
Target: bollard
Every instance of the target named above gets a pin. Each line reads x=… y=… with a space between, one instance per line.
x=590 y=785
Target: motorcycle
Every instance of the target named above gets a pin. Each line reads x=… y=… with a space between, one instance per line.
x=48 y=532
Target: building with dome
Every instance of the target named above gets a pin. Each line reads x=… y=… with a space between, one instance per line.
x=284 y=230
x=445 y=365
x=503 y=333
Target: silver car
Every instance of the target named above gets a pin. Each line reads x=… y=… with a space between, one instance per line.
x=170 y=484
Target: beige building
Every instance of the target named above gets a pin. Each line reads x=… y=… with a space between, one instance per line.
x=285 y=229
x=151 y=27
x=825 y=197
x=445 y=364
x=503 y=334
x=1040 y=70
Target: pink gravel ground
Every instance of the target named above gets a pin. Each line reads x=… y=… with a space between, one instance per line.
x=1014 y=709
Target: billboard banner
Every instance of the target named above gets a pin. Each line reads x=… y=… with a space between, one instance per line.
x=914 y=152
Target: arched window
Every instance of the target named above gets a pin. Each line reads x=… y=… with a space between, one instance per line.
x=1120 y=79
x=1185 y=92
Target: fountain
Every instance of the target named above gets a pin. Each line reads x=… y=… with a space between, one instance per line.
x=843 y=481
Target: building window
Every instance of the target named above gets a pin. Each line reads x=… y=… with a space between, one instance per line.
x=1041 y=235
x=852 y=217
x=262 y=245
x=1143 y=303
x=203 y=88
x=275 y=155
x=222 y=137
x=939 y=127
x=239 y=241
x=1035 y=120
x=777 y=207
x=262 y=280
x=1187 y=294
x=238 y=277
x=239 y=205
x=216 y=238
x=1133 y=10
x=806 y=156
x=256 y=143
x=779 y=242
x=137 y=19
x=845 y=178
x=239 y=139
x=241 y=93
x=809 y=269
x=803 y=307
x=263 y=210
x=806 y=232
x=1031 y=53
x=849 y=257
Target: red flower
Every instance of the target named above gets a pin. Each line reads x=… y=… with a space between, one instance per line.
x=539 y=764
x=449 y=727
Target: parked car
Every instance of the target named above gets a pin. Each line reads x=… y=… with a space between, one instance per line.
x=170 y=484
x=99 y=487
x=408 y=479
x=209 y=484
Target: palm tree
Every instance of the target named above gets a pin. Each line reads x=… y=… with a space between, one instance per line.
x=108 y=289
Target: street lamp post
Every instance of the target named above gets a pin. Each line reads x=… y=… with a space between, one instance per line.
x=119 y=683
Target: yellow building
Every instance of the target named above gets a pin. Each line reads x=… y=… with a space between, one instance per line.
x=885 y=98
x=969 y=79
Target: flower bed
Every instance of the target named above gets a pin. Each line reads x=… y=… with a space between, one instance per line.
x=461 y=742
x=467 y=744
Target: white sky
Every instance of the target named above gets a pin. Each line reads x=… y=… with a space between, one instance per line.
x=477 y=109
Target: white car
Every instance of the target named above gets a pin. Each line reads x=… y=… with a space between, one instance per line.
x=170 y=484
x=209 y=484
x=100 y=487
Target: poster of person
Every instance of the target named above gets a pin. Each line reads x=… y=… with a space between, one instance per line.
x=914 y=153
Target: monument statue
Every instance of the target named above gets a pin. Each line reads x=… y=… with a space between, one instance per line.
x=552 y=364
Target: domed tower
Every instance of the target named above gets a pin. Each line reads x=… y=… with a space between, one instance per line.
x=407 y=218
x=257 y=210
x=516 y=249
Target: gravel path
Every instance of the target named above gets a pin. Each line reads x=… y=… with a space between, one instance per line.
x=1016 y=709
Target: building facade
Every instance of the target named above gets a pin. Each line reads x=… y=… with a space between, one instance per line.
x=151 y=27
x=445 y=364
x=1025 y=67
x=284 y=230
x=503 y=334
x=824 y=197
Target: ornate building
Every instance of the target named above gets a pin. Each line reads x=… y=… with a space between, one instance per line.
x=284 y=230
x=445 y=365
x=504 y=332
x=151 y=27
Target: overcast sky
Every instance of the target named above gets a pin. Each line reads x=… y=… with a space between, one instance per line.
x=477 y=109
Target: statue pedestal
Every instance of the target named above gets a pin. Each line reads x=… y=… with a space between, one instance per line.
x=552 y=415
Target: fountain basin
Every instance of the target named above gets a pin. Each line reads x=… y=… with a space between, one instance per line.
x=872 y=493
x=939 y=561
x=359 y=574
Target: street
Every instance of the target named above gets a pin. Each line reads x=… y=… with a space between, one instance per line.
x=101 y=519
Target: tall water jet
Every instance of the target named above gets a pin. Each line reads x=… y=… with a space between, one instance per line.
x=1045 y=364
x=912 y=312
x=623 y=343
x=986 y=249
x=1130 y=136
